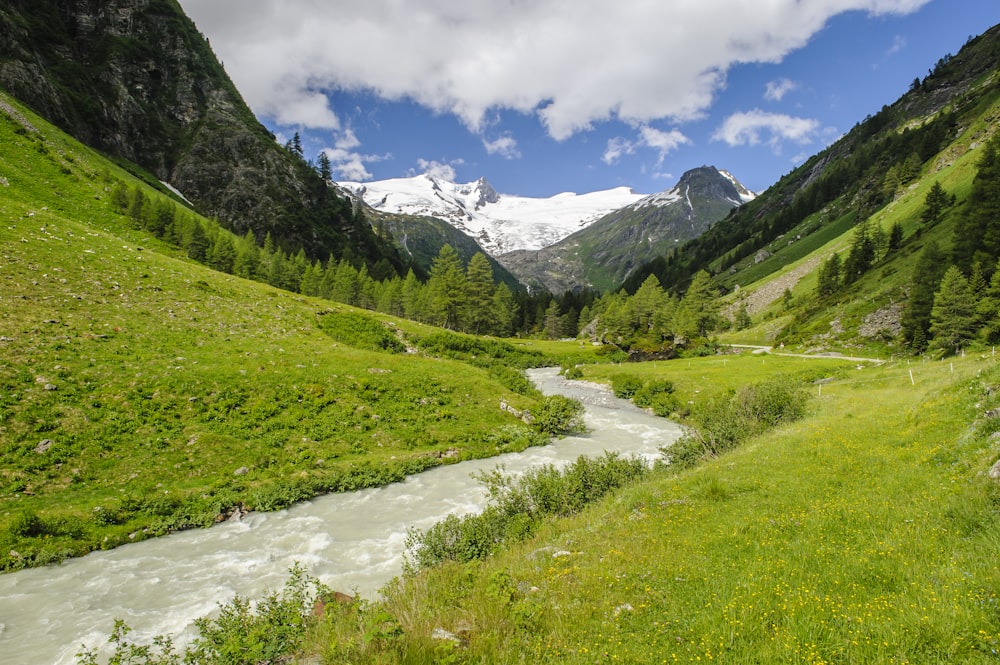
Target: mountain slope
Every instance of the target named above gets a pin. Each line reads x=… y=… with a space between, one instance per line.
x=862 y=172
x=142 y=393
x=603 y=254
x=135 y=79
x=499 y=222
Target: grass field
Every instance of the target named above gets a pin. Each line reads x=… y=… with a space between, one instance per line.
x=865 y=532
x=142 y=393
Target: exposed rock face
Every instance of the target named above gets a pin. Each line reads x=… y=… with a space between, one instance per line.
x=135 y=78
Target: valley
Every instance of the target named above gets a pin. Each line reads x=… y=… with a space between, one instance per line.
x=287 y=379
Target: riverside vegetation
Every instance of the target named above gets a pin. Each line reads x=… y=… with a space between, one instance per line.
x=851 y=520
x=860 y=528
x=141 y=393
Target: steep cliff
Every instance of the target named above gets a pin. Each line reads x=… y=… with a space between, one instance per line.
x=135 y=79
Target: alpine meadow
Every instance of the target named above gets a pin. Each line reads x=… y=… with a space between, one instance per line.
x=197 y=325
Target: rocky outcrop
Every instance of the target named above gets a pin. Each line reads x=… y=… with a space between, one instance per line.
x=135 y=79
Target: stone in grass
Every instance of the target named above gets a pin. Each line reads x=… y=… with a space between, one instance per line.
x=995 y=471
x=44 y=445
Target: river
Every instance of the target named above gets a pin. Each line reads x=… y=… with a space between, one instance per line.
x=353 y=542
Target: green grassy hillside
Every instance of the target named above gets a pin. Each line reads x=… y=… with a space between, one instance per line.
x=865 y=532
x=141 y=392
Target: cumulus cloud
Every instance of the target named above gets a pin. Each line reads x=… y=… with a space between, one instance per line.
x=647 y=137
x=776 y=90
x=505 y=146
x=345 y=161
x=898 y=44
x=756 y=126
x=436 y=169
x=633 y=60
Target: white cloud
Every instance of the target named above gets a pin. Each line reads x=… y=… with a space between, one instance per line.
x=505 y=146
x=436 y=169
x=898 y=44
x=345 y=162
x=748 y=128
x=634 y=60
x=648 y=137
x=776 y=90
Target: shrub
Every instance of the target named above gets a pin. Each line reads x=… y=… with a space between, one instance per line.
x=572 y=372
x=28 y=525
x=360 y=331
x=726 y=421
x=516 y=509
x=557 y=415
x=625 y=385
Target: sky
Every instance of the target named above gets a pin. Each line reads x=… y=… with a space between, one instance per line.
x=542 y=97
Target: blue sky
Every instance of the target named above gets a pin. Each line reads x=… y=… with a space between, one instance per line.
x=549 y=96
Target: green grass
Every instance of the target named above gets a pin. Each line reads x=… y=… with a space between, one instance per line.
x=865 y=532
x=142 y=393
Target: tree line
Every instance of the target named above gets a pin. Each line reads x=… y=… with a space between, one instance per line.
x=954 y=296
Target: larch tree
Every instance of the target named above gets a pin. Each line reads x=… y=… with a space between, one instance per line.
x=953 y=315
x=447 y=287
x=479 y=313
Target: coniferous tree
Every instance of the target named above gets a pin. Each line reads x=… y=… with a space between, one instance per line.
x=552 y=326
x=828 y=279
x=222 y=253
x=742 y=319
x=479 y=313
x=861 y=255
x=120 y=196
x=699 y=303
x=325 y=168
x=953 y=315
x=412 y=297
x=197 y=244
x=247 y=258
x=934 y=204
x=977 y=232
x=988 y=308
x=447 y=288
x=895 y=237
x=916 y=318
x=505 y=309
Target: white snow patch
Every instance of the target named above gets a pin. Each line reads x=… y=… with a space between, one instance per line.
x=499 y=222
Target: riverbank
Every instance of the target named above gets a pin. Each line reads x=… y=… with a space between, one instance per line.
x=865 y=532
x=351 y=541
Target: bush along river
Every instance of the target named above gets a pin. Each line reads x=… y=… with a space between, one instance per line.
x=353 y=542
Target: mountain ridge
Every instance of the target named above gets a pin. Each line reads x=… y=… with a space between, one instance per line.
x=500 y=223
x=602 y=254
x=136 y=80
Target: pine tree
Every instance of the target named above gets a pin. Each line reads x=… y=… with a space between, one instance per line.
x=447 y=287
x=479 y=313
x=988 y=308
x=247 y=258
x=916 y=318
x=222 y=254
x=197 y=242
x=413 y=297
x=953 y=315
x=895 y=237
x=934 y=204
x=828 y=279
x=553 y=321
x=699 y=301
x=345 y=284
x=645 y=303
x=505 y=308
x=325 y=168
x=742 y=319
x=861 y=256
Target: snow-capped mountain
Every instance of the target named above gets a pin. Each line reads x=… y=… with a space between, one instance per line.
x=606 y=251
x=500 y=223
